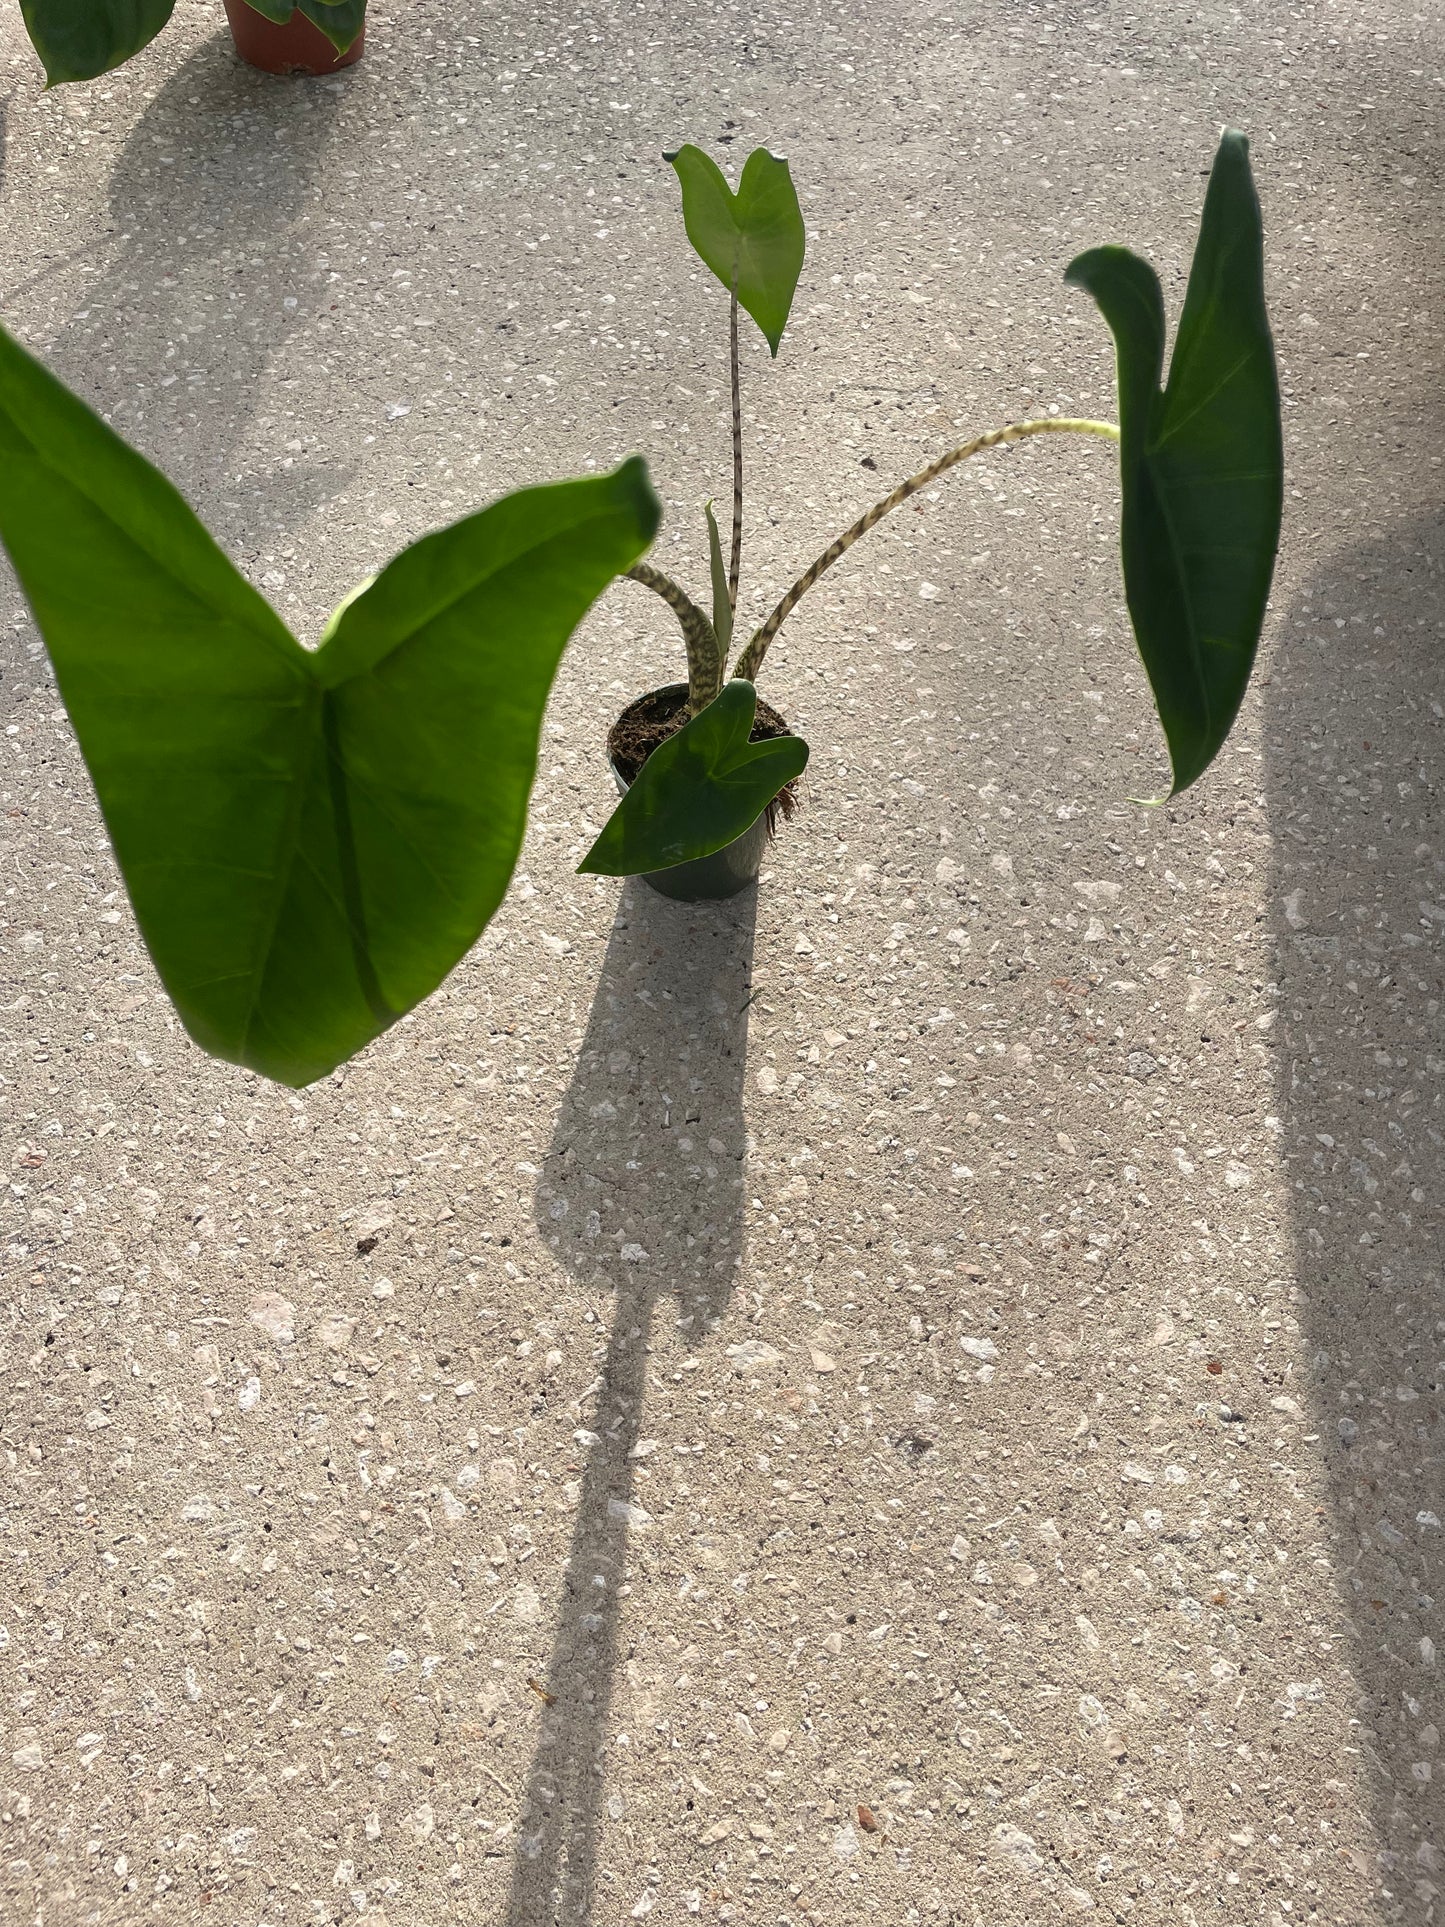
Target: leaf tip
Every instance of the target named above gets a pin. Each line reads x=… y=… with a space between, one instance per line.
x=634 y=476
x=1081 y=271
x=596 y=863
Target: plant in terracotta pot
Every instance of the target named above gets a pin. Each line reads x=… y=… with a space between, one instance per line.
x=312 y=838
x=313 y=37
x=1201 y=474
x=78 y=39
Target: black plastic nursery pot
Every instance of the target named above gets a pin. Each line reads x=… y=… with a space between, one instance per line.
x=736 y=865
x=295 y=47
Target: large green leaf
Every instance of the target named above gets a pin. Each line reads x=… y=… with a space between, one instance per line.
x=1201 y=463
x=340 y=20
x=78 y=39
x=311 y=840
x=697 y=791
x=753 y=239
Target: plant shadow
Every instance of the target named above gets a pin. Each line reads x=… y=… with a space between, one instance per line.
x=1355 y=722
x=216 y=206
x=641 y=1195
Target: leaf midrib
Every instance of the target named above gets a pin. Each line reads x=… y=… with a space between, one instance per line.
x=328 y=743
x=288 y=845
x=1177 y=552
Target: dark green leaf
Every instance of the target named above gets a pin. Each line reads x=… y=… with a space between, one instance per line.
x=722 y=607
x=698 y=791
x=78 y=39
x=1201 y=464
x=753 y=238
x=311 y=840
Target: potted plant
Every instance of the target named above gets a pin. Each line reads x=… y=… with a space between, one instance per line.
x=313 y=37
x=311 y=840
x=1202 y=480
x=78 y=39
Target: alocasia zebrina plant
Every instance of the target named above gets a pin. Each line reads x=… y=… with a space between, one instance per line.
x=1201 y=473
x=312 y=839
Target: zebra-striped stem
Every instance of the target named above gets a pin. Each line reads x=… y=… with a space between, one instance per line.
x=751 y=659
x=706 y=664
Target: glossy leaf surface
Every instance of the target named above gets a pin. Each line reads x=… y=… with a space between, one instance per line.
x=698 y=790
x=78 y=39
x=311 y=839
x=1201 y=462
x=755 y=236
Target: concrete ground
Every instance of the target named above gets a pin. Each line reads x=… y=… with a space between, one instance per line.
x=916 y=1395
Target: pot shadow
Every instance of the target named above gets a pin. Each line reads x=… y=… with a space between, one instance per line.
x=641 y=1194
x=210 y=234
x=1355 y=728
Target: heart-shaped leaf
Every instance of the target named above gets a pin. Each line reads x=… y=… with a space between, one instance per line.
x=311 y=840
x=1201 y=463
x=698 y=791
x=753 y=239
x=78 y=39
x=340 y=20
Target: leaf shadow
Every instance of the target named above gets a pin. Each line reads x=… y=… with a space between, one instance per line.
x=641 y=1195
x=1355 y=772
x=216 y=219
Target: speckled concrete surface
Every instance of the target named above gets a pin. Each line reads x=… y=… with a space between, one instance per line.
x=957 y=1337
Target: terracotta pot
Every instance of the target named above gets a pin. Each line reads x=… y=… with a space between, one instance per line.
x=297 y=48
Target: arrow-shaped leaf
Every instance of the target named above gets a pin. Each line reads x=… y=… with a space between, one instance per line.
x=698 y=791
x=753 y=239
x=78 y=39
x=311 y=840
x=1201 y=464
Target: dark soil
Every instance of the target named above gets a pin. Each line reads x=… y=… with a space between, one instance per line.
x=649 y=721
